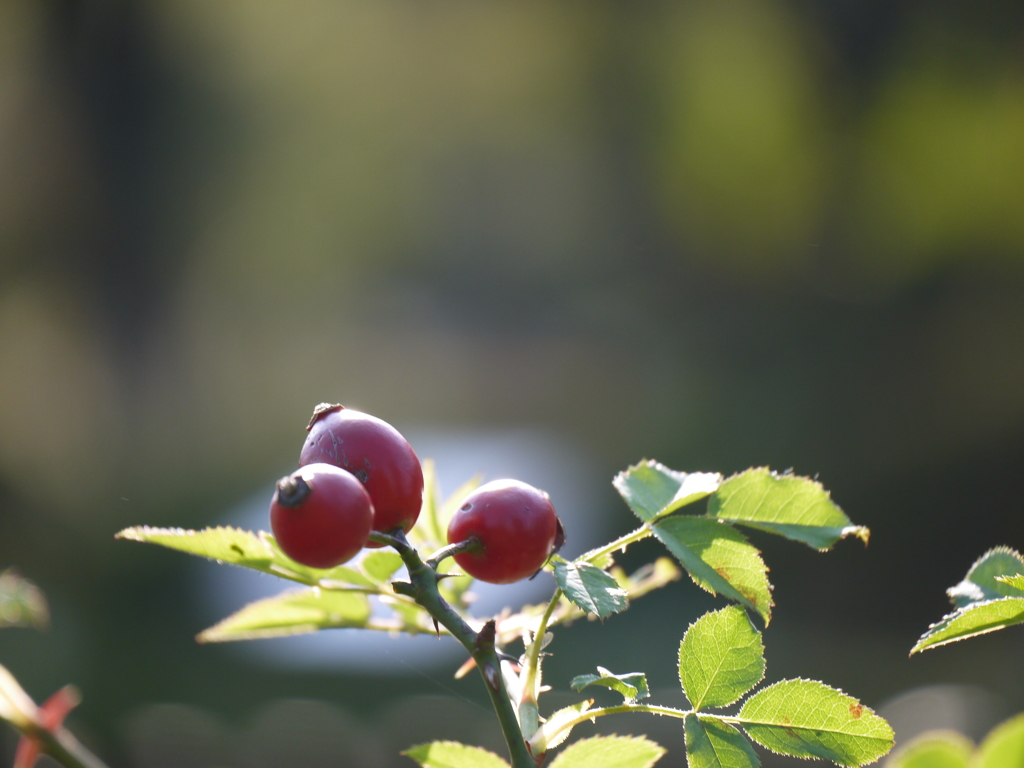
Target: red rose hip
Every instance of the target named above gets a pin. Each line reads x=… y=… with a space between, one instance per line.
x=377 y=454
x=321 y=515
x=517 y=528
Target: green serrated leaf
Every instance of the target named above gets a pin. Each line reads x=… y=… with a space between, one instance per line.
x=554 y=731
x=1017 y=582
x=1004 y=746
x=798 y=508
x=632 y=685
x=427 y=530
x=258 y=551
x=22 y=603
x=982 y=582
x=934 y=749
x=974 y=619
x=591 y=589
x=294 y=612
x=451 y=505
x=453 y=589
x=710 y=743
x=610 y=752
x=721 y=657
x=381 y=565
x=652 y=490
x=414 y=618
x=339 y=577
x=719 y=559
x=805 y=718
x=451 y=754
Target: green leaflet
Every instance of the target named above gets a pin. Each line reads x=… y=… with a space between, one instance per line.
x=610 y=752
x=452 y=754
x=381 y=565
x=721 y=657
x=22 y=603
x=804 y=718
x=291 y=613
x=974 y=619
x=632 y=685
x=447 y=511
x=795 y=507
x=710 y=743
x=553 y=732
x=590 y=588
x=719 y=559
x=244 y=548
x=934 y=749
x=1004 y=746
x=652 y=490
x=1017 y=582
x=982 y=583
x=427 y=529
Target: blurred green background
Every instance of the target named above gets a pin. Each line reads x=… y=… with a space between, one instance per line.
x=719 y=234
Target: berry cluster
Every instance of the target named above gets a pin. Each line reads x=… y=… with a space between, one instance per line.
x=357 y=474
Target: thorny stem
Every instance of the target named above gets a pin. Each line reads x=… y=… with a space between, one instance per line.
x=472 y=544
x=422 y=587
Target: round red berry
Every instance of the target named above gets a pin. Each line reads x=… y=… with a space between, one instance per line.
x=321 y=515
x=517 y=528
x=377 y=454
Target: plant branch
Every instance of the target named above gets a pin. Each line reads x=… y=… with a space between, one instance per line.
x=590 y=714
x=620 y=543
x=422 y=587
x=530 y=674
x=472 y=544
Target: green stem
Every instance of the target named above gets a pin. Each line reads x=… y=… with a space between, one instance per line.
x=472 y=544
x=590 y=714
x=533 y=652
x=422 y=587
x=620 y=543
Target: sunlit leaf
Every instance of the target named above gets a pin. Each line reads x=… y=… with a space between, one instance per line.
x=555 y=730
x=652 y=490
x=451 y=754
x=610 y=752
x=447 y=511
x=934 y=749
x=982 y=581
x=294 y=612
x=721 y=657
x=791 y=506
x=591 y=589
x=710 y=743
x=381 y=564
x=804 y=718
x=247 y=549
x=1017 y=582
x=22 y=603
x=719 y=559
x=427 y=531
x=974 y=619
x=1004 y=746
x=632 y=685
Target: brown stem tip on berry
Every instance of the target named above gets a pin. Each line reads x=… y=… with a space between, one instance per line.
x=292 y=491
x=320 y=410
